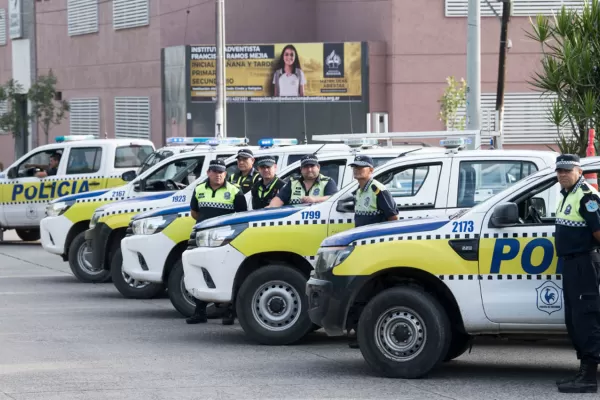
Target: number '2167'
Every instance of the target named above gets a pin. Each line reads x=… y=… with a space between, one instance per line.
x=463 y=226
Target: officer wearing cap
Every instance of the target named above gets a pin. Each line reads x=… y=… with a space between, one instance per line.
x=214 y=198
x=268 y=185
x=373 y=202
x=247 y=175
x=577 y=240
x=311 y=187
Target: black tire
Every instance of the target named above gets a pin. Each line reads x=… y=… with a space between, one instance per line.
x=184 y=304
x=422 y=316
x=28 y=235
x=147 y=290
x=82 y=272
x=283 y=279
x=458 y=345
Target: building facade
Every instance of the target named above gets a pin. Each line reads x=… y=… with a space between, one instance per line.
x=106 y=55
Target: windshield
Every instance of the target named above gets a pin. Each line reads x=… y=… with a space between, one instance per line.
x=154 y=159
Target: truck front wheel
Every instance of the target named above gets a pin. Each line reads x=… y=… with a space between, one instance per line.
x=131 y=288
x=81 y=268
x=271 y=306
x=404 y=332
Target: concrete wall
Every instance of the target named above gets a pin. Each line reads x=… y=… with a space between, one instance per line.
x=6 y=140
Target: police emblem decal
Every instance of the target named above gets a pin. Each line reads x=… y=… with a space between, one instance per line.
x=568 y=210
x=367 y=201
x=316 y=191
x=591 y=206
x=227 y=195
x=549 y=297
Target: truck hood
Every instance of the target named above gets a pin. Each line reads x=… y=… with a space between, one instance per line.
x=383 y=229
x=266 y=214
x=163 y=211
x=127 y=203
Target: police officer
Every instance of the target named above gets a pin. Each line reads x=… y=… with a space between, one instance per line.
x=311 y=187
x=577 y=241
x=247 y=175
x=214 y=198
x=268 y=185
x=373 y=202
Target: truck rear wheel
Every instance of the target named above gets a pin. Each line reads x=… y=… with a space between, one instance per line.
x=81 y=268
x=271 y=306
x=404 y=332
x=182 y=300
x=28 y=235
x=131 y=288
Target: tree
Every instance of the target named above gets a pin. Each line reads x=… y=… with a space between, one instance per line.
x=12 y=120
x=454 y=97
x=45 y=108
x=570 y=44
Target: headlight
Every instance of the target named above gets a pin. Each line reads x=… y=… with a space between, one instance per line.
x=94 y=220
x=219 y=236
x=331 y=257
x=56 y=209
x=152 y=225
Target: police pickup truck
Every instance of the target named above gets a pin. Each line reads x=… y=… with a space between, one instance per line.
x=261 y=260
x=109 y=223
x=152 y=250
x=181 y=162
x=418 y=291
x=85 y=165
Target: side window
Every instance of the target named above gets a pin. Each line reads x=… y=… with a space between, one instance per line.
x=84 y=160
x=379 y=161
x=480 y=180
x=183 y=171
x=333 y=169
x=131 y=156
x=414 y=185
x=292 y=158
x=286 y=177
x=36 y=162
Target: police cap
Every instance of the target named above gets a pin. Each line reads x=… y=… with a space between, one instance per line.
x=362 y=161
x=267 y=161
x=245 y=153
x=567 y=161
x=217 y=165
x=309 y=159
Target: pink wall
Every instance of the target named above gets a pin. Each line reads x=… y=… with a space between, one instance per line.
x=6 y=141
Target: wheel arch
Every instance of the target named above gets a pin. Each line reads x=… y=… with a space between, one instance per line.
x=113 y=242
x=174 y=255
x=75 y=230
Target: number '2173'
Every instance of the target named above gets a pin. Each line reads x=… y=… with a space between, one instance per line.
x=463 y=226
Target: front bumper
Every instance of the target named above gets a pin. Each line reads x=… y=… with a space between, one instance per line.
x=53 y=232
x=330 y=298
x=97 y=242
x=209 y=272
x=144 y=256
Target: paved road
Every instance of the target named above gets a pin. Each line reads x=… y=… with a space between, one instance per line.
x=60 y=339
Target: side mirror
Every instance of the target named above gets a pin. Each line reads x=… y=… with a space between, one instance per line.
x=505 y=215
x=128 y=176
x=12 y=173
x=345 y=205
x=539 y=204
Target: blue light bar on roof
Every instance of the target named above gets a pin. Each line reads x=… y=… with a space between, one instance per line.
x=209 y=141
x=361 y=142
x=270 y=142
x=452 y=143
x=72 y=138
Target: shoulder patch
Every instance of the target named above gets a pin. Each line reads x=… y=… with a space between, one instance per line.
x=591 y=205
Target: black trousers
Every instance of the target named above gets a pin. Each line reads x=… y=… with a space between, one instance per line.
x=581 y=277
x=200 y=307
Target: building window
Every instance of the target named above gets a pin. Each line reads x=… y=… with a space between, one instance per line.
x=132 y=117
x=520 y=8
x=84 y=117
x=2 y=27
x=82 y=16
x=130 y=13
x=525 y=118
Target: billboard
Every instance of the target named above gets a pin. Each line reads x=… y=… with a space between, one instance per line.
x=280 y=72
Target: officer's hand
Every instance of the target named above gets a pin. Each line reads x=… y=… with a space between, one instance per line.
x=307 y=199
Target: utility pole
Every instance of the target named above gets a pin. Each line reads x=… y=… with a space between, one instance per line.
x=221 y=106
x=474 y=69
x=506 y=6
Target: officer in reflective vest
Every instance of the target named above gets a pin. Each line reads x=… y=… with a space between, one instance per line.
x=311 y=187
x=247 y=175
x=214 y=198
x=268 y=185
x=373 y=202
x=577 y=240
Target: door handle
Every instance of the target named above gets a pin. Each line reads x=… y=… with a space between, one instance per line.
x=94 y=183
